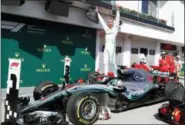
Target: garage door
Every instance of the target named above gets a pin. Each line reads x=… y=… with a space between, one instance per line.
x=42 y=47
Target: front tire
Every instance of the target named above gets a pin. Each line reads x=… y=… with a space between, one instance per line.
x=44 y=89
x=83 y=108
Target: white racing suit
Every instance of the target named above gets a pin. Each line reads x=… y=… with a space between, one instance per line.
x=110 y=44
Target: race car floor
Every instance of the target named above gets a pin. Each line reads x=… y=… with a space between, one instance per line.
x=142 y=115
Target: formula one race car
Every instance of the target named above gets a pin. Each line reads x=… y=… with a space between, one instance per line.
x=83 y=103
x=174 y=111
x=132 y=88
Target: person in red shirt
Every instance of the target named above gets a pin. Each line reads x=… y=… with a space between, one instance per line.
x=163 y=67
x=142 y=63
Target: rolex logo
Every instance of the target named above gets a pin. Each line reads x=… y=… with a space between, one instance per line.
x=43 y=65
x=85 y=51
x=17 y=54
x=67 y=41
x=67 y=38
x=85 y=65
x=86 y=34
x=43 y=68
x=85 y=69
x=44 y=49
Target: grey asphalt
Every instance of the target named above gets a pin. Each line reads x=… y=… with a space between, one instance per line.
x=142 y=115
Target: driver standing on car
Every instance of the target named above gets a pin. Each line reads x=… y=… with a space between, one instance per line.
x=110 y=41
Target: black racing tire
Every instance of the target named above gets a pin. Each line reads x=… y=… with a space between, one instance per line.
x=75 y=105
x=171 y=86
x=170 y=90
x=44 y=89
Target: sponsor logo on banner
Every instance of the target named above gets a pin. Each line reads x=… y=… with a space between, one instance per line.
x=44 y=49
x=85 y=51
x=14 y=64
x=86 y=35
x=17 y=56
x=85 y=69
x=43 y=69
x=67 y=41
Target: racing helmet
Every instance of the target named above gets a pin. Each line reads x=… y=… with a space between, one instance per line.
x=142 y=58
x=178 y=57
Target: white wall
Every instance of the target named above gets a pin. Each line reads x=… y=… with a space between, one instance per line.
x=132 y=5
x=167 y=8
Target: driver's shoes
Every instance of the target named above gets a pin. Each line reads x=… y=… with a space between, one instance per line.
x=105 y=113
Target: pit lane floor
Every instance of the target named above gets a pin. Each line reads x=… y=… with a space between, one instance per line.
x=143 y=115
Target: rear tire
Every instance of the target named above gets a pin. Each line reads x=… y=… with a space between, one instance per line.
x=171 y=86
x=77 y=104
x=44 y=89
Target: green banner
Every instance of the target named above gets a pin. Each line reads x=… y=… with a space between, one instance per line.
x=182 y=70
x=43 y=49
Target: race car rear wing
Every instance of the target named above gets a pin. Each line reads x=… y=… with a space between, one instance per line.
x=13 y=84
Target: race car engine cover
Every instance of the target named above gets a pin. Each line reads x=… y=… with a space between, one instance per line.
x=44 y=118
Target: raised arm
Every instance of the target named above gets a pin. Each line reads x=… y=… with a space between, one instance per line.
x=101 y=20
x=117 y=16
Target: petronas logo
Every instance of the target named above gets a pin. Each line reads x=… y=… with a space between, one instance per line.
x=85 y=68
x=17 y=54
x=67 y=41
x=44 y=49
x=85 y=51
x=43 y=68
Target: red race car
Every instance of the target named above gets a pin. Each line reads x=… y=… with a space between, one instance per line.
x=174 y=111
